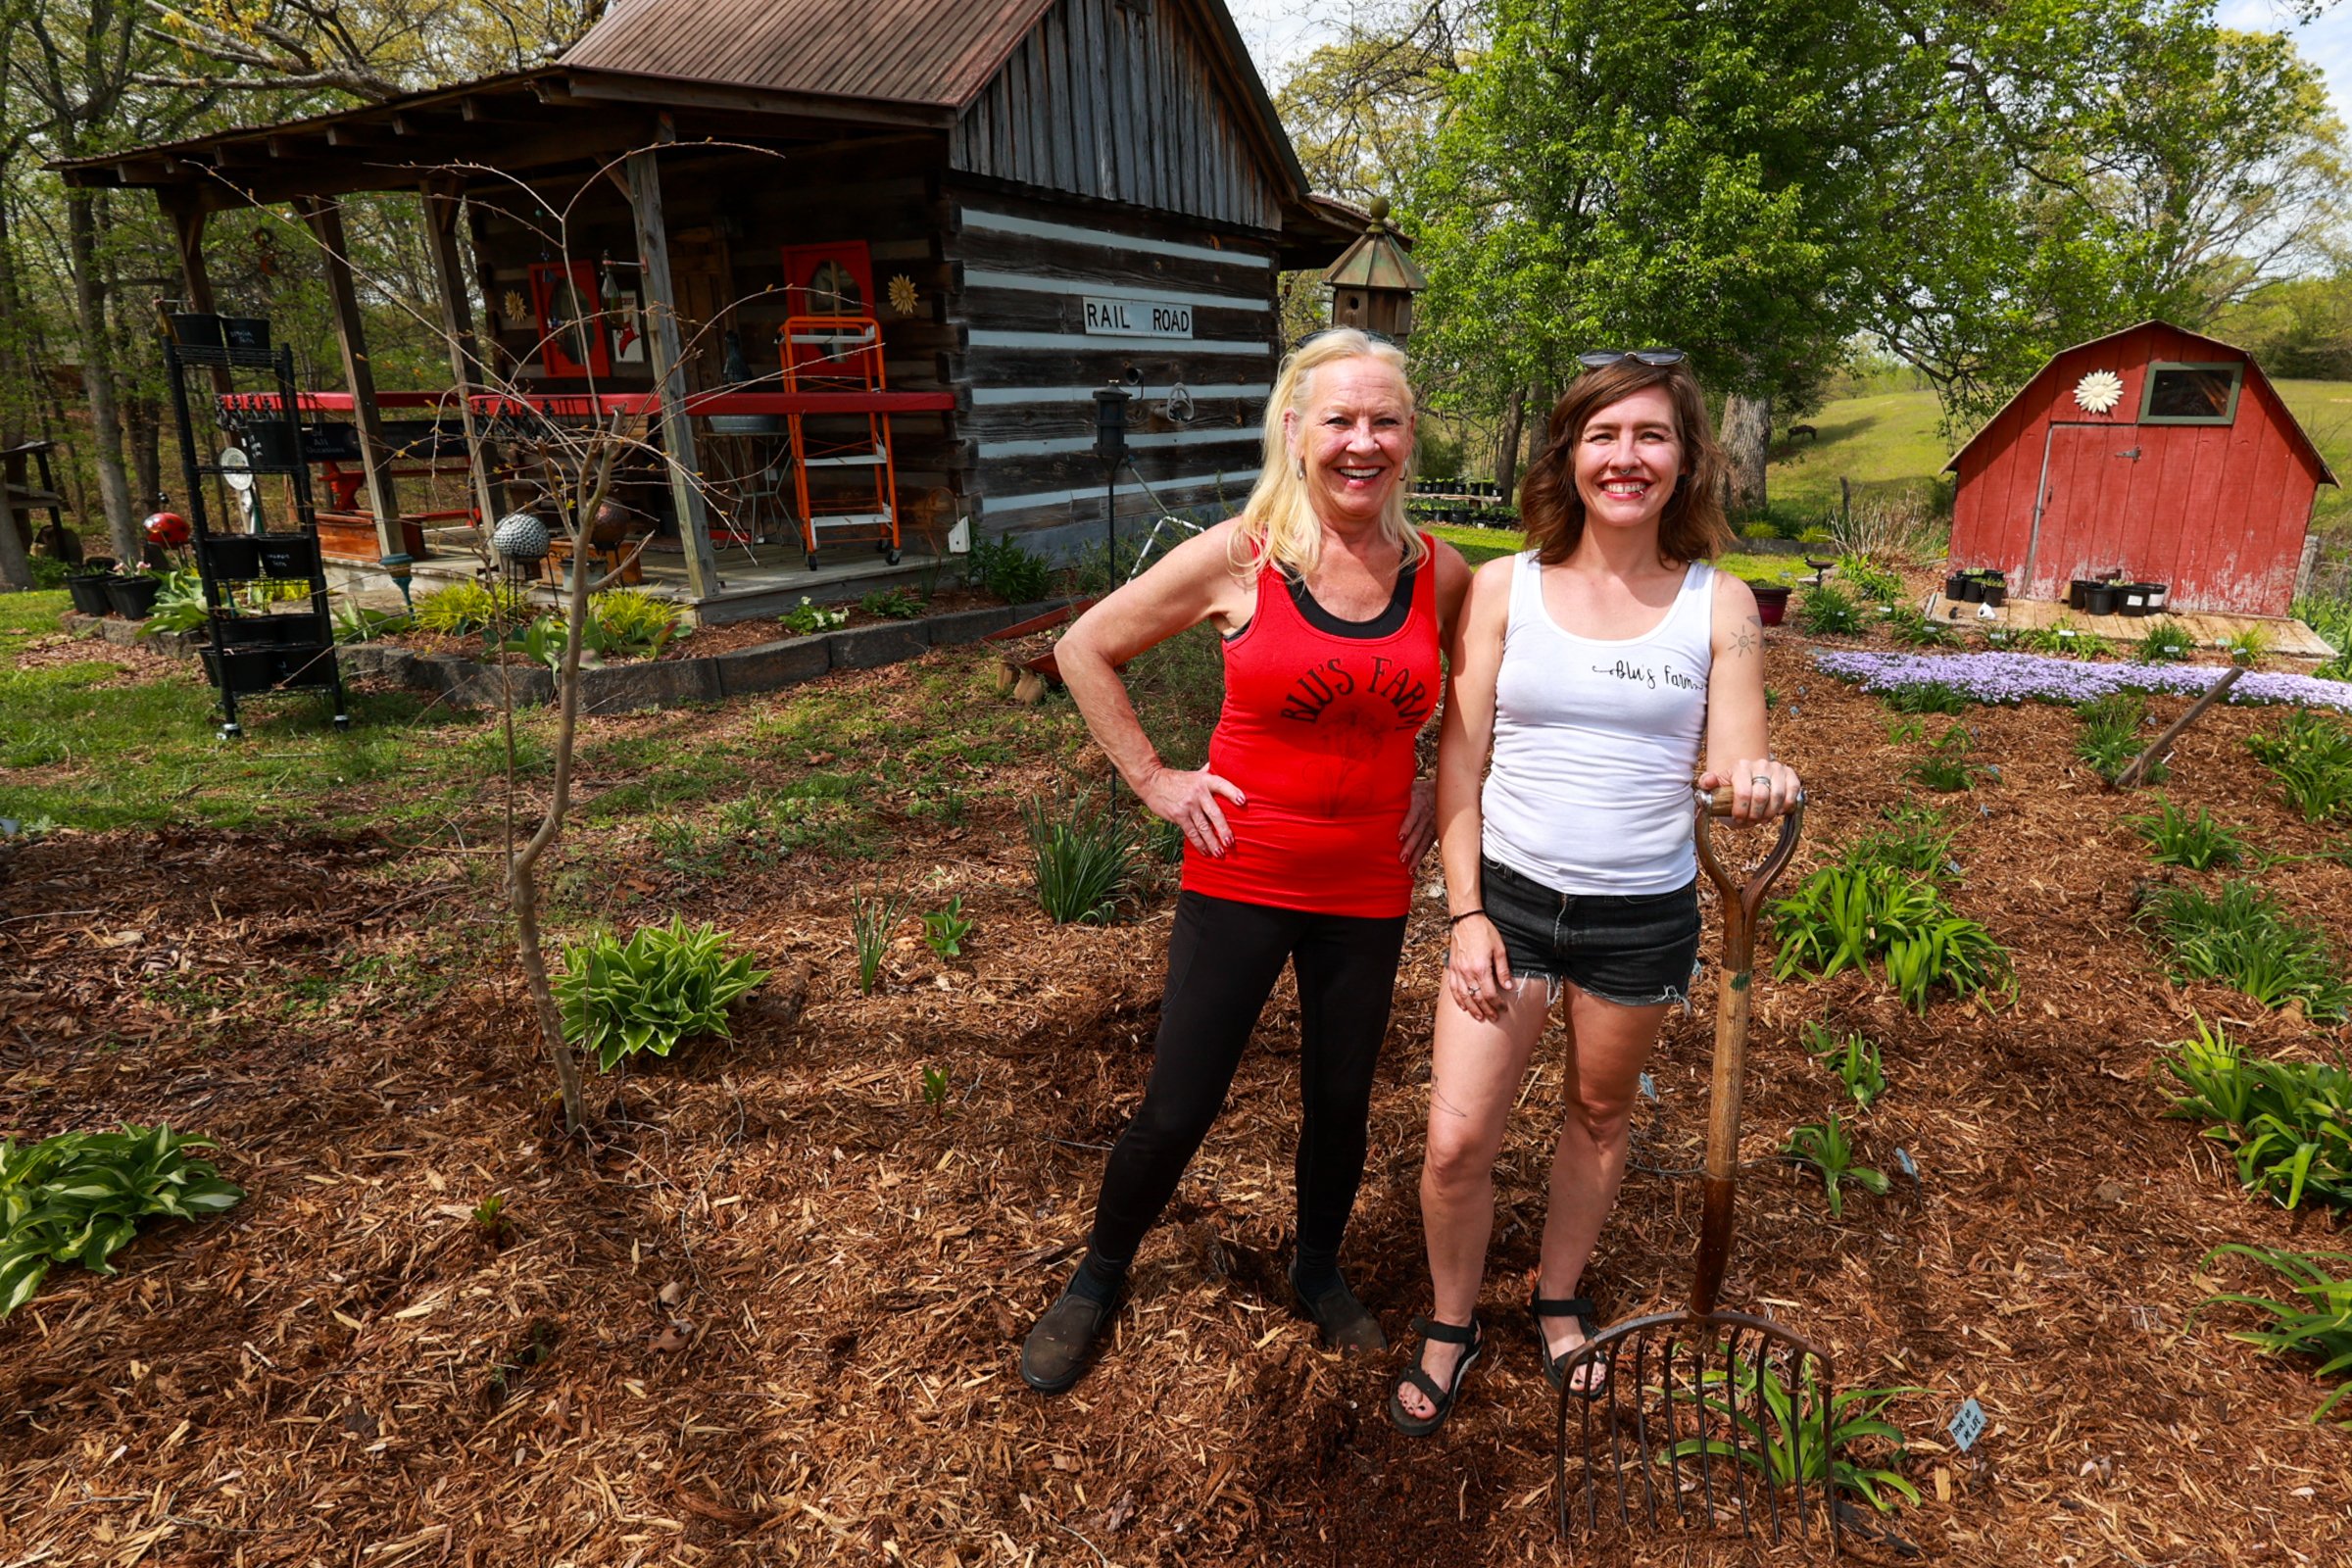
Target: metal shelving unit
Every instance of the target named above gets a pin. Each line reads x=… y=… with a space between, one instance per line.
x=252 y=653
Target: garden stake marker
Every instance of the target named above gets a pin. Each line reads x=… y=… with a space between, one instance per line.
x=1679 y=1396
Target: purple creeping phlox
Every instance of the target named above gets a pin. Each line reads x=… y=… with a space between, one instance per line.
x=2004 y=678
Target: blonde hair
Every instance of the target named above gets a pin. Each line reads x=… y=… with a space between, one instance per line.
x=1278 y=523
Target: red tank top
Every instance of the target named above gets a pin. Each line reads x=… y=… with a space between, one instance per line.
x=1317 y=732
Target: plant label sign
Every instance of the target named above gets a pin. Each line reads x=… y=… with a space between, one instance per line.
x=1902 y=1157
x=1650 y=1087
x=1968 y=1425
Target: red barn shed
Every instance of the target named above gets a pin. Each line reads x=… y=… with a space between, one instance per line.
x=2155 y=451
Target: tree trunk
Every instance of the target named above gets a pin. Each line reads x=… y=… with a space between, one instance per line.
x=1746 y=437
x=1507 y=444
x=98 y=375
x=1540 y=402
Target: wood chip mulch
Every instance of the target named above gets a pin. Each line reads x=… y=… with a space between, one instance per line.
x=771 y=1315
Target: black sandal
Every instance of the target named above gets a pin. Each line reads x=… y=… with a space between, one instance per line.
x=1556 y=1367
x=1415 y=1426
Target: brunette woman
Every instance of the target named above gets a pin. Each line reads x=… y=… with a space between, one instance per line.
x=1593 y=668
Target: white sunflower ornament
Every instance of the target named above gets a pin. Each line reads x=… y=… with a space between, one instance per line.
x=2098 y=391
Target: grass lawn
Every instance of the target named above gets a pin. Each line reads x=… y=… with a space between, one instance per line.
x=1481 y=545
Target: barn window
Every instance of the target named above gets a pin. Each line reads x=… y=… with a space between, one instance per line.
x=2190 y=394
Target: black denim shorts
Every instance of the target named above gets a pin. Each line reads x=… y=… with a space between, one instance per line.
x=1635 y=950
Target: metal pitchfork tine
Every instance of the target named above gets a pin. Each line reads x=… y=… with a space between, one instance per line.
x=1704 y=1333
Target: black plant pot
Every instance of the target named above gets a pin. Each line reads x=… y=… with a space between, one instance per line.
x=292 y=555
x=1955 y=587
x=2078 y=591
x=87 y=590
x=1995 y=594
x=2141 y=598
x=2101 y=599
x=1972 y=592
x=133 y=598
x=234 y=556
x=272 y=631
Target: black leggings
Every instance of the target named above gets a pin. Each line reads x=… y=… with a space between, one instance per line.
x=1223 y=960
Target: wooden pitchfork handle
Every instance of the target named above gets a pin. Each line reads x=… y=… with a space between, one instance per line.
x=1741 y=899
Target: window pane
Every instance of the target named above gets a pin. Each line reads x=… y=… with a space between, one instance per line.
x=2191 y=394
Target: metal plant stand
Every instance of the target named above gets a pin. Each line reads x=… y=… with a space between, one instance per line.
x=253 y=653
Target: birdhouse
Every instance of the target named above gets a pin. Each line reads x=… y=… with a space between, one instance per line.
x=1374 y=280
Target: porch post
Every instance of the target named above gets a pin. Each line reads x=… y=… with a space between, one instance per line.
x=442 y=204
x=325 y=215
x=188 y=234
x=669 y=372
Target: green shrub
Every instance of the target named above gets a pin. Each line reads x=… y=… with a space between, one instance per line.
x=1852 y=917
x=2316 y=1323
x=78 y=1198
x=1002 y=568
x=179 y=604
x=1868 y=581
x=2166 y=642
x=2179 y=839
x=2247 y=647
x=467 y=607
x=2242 y=939
x=2287 y=1124
x=1082 y=854
x=2063 y=638
x=2310 y=755
x=48 y=573
x=893 y=603
x=1829 y=611
x=666 y=984
x=630 y=623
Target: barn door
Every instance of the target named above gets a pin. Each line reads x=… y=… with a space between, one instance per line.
x=2085 y=507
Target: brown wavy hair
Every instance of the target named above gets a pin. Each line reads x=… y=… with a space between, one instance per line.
x=1693 y=527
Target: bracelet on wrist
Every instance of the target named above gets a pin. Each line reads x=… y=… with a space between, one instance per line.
x=1457 y=919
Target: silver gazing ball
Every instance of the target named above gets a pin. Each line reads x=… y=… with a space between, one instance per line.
x=520 y=537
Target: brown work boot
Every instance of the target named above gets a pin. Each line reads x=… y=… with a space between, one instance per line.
x=1347 y=1323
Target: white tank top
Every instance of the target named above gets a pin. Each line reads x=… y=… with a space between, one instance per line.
x=1596 y=742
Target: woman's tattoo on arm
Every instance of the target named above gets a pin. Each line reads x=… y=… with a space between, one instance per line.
x=1748 y=636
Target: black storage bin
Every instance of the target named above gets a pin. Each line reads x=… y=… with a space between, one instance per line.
x=288 y=555
x=87 y=590
x=270 y=443
x=196 y=332
x=234 y=556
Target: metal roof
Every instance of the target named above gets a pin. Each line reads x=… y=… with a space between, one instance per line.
x=902 y=51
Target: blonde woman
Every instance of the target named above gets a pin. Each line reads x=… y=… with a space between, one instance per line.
x=1302 y=833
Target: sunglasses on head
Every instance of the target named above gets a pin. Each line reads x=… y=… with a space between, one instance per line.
x=1603 y=358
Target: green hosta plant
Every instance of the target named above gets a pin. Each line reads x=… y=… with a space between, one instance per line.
x=2318 y=1322
x=78 y=1198
x=944 y=930
x=1824 y=1145
x=2196 y=842
x=179 y=604
x=1853 y=1057
x=665 y=984
x=1781 y=1431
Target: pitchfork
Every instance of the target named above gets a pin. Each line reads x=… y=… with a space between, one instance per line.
x=1699 y=1417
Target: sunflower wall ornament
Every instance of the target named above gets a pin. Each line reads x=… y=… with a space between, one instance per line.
x=2098 y=392
x=903 y=297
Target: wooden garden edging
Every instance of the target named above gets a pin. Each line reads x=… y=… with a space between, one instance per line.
x=649 y=683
